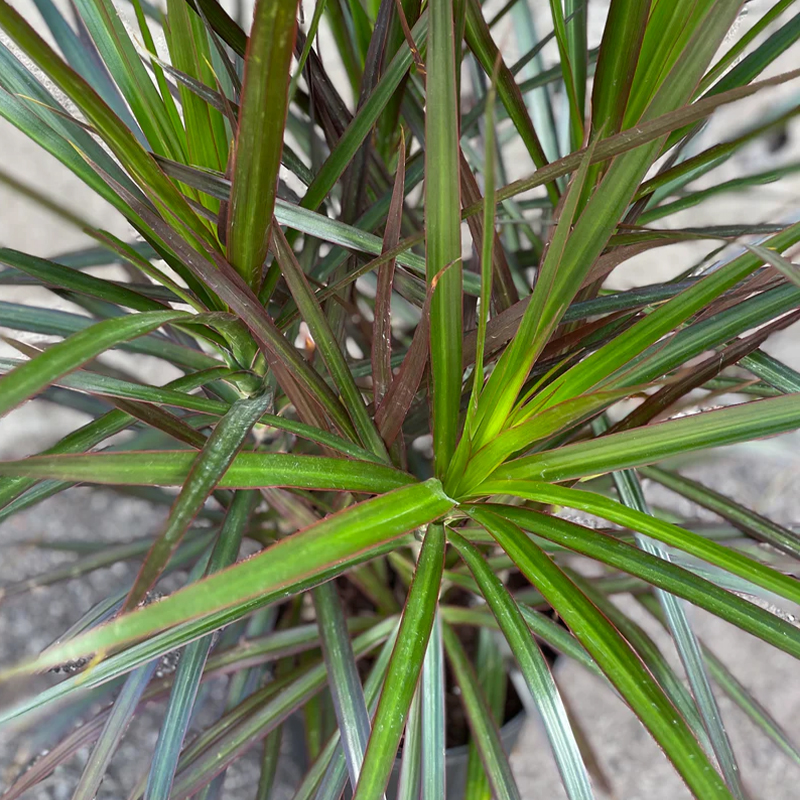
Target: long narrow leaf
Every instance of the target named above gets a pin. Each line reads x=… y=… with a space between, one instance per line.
x=663 y=574
x=483 y=727
x=299 y=561
x=633 y=518
x=116 y=135
x=613 y=655
x=687 y=645
x=31 y=377
x=534 y=669
x=443 y=231
x=193 y=661
x=345 y=686
x=410 y=765
x=234 y=739
x=655 y=442
x=751 y=522
x=259 y=139
x=105 y=386
x=327 y=343
x=381 y=326
x=404 y=668
x=206 y=470
x=247 y=470
x=492 y=678
x=432 y=735
x=116 y=724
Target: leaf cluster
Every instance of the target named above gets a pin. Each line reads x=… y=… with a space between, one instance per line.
x=401 y=357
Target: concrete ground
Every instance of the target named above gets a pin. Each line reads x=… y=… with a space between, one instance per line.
x=764 y=475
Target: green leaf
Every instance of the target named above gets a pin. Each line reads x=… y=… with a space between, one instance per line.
x=573 y=91
x=759 y=715
x=116 y=135
x=364 y=120
x=572 y=251
x=691 y=199
x=537 y=427
x=613 y=654
x=772 y=371
x=106 y=386
x=113 y=731
x=265 y=649
x=207 y=468
x=742 y=42
x=269 y=765
x=207 y=139
x=738 y=693
x=163 y=87
x=644 y=646
x=259 y=140
x=534 y=668
x=645 y=131
x=224 y=25
x=432 y=709
x=751 y=522
x=443 y=231
x=302 y=219
x=247 y=470
x=789 y=270
x=554 y=288
x=686 y=643
x=616 y=63
x=480 y=41
x=234 y=737
x=123 y=62
x=327 y=344
x=404 y=668
x=575 y=18
x=663 y=574
x=329 y=771
x=479 y=716
x=304 y=559
x=60 y=146
x=489 y=210
x=48 y=121
x=26 y=380
x=640 y=446
x=344 y=683
x=713 y=331
x=699 y=546
x=340 y=19
x=78 y=441
x=53 y=274
x=311 y=36
x=672 y=39
x=491 y=675
x=193 y=660
x=759 y=59
x=410 y=766
x=81 y=55
x=296 y=377
x=382 y=318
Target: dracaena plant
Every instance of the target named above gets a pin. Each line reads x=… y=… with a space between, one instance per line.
x=392 y=419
